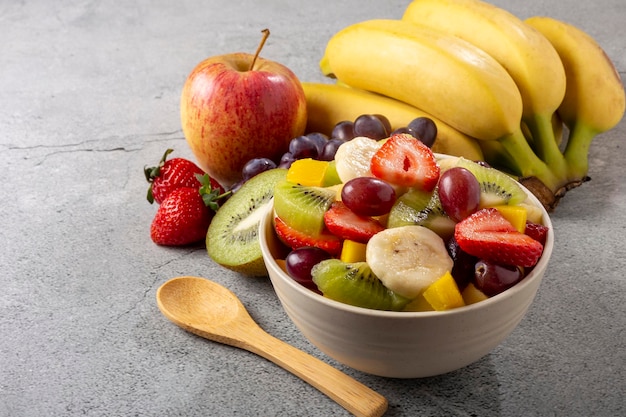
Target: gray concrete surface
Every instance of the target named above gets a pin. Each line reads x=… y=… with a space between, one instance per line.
x=89 y=94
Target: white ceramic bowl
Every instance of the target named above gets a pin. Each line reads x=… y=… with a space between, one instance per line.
x=402 y=344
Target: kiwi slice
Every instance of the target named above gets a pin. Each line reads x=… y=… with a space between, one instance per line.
x=331 y=177
x=232 y=239
x=355 y=284
x=496 y=187
x=302 y=207
x=423 y=208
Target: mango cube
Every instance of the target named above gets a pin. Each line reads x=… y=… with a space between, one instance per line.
x=444 y=294
x=472 y=295
x=308 y=172
x=517 y=215
x=352 y=251
x=419 y=304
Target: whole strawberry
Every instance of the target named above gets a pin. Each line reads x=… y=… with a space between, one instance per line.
x=185 y=214
x=182 y=218
x=171 y=174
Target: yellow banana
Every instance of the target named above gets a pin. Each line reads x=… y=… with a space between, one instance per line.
x=594 y=98
x=445 y=76
x=529 y=58
x=329 y=104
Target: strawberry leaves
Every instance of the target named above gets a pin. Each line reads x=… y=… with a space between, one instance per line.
x=211 y=192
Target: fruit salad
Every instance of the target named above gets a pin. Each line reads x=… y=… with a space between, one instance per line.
x=388 y=224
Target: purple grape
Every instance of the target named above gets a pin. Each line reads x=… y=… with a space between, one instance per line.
x=299 y=263
x=385 y=121
x=464 y=264
x=286 y=160
x=404 y=130
x=319 y=139
x=236 y=186
x=256 y=166
x=459 y=193
x=303 y=147
x=370 y=126
x=425 y=130
x=330 y=149
x=343 y=130
x=492 y=279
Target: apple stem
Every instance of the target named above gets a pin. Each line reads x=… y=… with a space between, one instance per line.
x=266 y=34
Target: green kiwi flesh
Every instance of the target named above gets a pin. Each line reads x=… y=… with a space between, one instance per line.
x=423 y=208
x=496 y=187
x=355 y=284
x=331 y=177
x=232 y=240
x=302 y=207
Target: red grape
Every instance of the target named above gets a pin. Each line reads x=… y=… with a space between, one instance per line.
x=459 y=193
x=493 y=279
x=368 y=196
x=299 y=263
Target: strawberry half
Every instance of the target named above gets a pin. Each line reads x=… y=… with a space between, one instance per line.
x=343 y=222
x=296 y=239
x=487 y=235
x=182 y=218
x=406 y=161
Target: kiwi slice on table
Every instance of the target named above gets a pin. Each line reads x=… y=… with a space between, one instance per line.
x=355 y=284
x=232 y=239
x=496 y=187
x=303 y=207
x=423 y=208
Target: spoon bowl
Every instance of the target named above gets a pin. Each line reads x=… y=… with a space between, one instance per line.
x=209 y=310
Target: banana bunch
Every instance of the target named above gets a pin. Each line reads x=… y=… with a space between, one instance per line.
x=491 y=80
x=328 y=104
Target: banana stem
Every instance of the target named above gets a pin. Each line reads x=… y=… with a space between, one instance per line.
x=577 y=150
x=526 y=162
x=545 y=143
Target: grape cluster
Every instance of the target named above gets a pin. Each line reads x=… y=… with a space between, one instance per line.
x=322 y=147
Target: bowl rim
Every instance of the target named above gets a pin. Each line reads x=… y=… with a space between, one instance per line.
x=537 y=273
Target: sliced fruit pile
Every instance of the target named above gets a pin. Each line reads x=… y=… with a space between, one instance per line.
x=389 y=226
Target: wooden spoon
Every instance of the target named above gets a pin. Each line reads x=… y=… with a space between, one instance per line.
x=210 y=310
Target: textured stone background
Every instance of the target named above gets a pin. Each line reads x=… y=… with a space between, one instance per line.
x=89 y=94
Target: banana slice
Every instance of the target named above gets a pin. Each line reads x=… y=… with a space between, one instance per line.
x=408 y=259
x=353 y=158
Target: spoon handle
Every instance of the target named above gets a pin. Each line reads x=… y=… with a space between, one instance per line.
x=346 y=391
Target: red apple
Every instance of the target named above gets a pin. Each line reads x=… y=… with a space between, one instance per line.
x=231 y=113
